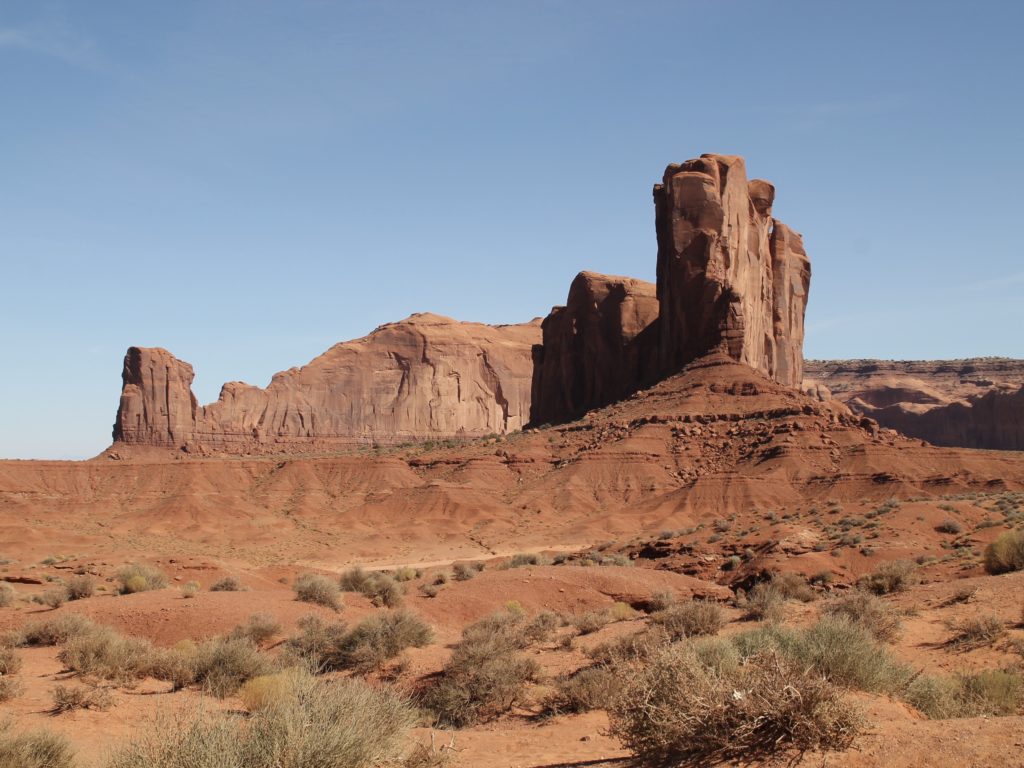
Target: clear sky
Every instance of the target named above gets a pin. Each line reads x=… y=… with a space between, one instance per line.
x=247 y=182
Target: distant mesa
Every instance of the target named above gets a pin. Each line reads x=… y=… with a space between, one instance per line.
x=973 y=403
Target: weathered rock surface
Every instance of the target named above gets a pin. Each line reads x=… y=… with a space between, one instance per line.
x=424 y=377
x=730 y=277
x=974 y=403
x=600 y=347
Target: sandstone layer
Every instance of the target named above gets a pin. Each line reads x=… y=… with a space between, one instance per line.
x=973 y=403
x=730 y=277
x=424 y=377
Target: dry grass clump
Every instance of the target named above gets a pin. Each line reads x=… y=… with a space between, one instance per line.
x=140 y=578
x=591 y=621
x=486 y=676
x=894 y=576
x=697 y=617
x=462 y=572
x=676 y=710
x=589 y=688
x=630 y=649
x=523 y=559
x=258 y=629
x=1006 y=553
x=52 y=598
x=950 y=526
x=793 y=586
x=223 y=665
x=103 y=653
x=871 y=612
x=990 y=693
x=763 y=603
x=34 y=749
x=977 y=631
x=320 y=590
x=659 y=601
x=371 y=643
x=226 y=584
x=10 y=662
x=190 y=589
x=327 y=724
x=836 y=648
x=67 y=698
x=381 y=588
x=7 y=595
x=10 y=688
x=266 y=691
x=55 y=631
x=81 y=587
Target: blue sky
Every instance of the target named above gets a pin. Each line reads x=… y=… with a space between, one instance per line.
x=247 y=182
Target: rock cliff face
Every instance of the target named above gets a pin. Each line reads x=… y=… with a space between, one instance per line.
x=424 y=377
x=600 y=347
x=730 y=277
x=975 y=403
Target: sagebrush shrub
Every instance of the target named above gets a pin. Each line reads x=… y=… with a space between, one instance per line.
x=10 y=661
x=7 y=595
x=381 y=588
x=993 y=693
x=10 y=687
x=55 y=631
x=976 y=631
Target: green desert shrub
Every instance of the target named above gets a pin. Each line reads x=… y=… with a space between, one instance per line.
x=867 y=610
x=894 y=576
x=1006 y=553
x=34 y=749
x=140 y=578
x=320 y=590
x=697 y=617
x=314 y=723
x=676 y=710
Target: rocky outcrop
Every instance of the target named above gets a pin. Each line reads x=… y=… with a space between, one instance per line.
x=974 y=403
x=731 y=280
x=730 y=277
x=600 y=347
x=424 y=377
